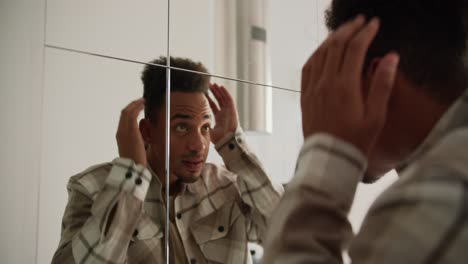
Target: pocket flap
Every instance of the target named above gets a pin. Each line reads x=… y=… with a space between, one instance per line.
x=216 y=225
x=148 y=229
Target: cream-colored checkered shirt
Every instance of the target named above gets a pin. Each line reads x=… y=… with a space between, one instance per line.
x=115 y=212
x=423 y=218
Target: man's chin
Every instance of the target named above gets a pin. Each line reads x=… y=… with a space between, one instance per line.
x=189 y=177
x=371 y=178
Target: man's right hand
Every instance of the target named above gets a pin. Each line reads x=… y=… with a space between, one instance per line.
x=129 y=139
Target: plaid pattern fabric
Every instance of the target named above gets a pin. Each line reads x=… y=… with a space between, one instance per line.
x=115 y=212
x=422 y=218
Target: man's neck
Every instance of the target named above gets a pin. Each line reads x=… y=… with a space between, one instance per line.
x=174 y=184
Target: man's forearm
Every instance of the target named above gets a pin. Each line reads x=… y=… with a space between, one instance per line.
x=258 y=192
x=112 y=219
x=256 y=188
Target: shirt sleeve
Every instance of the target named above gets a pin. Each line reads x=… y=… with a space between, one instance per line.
x=97 y=227
x=259 y=193
x=310 y=224
x=424 y=214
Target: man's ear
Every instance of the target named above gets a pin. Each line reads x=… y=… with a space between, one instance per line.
x=145 y=130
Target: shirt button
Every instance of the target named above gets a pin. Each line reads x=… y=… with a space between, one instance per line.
x=221 y=229
x=231 y=146
x=128 y=175
x=179 y=215
x=138 y=181
x=193 y=261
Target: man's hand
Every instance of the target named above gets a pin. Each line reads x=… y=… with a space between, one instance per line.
x=333 y=99
x=129 y=139
x=225 y=115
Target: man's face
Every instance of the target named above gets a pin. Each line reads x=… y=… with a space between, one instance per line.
x=190 y=123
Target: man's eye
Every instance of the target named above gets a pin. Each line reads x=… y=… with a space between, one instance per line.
x=207 y=128
x=181 y=128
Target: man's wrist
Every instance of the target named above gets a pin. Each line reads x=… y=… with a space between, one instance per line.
x=237 y=133
x=129 y=177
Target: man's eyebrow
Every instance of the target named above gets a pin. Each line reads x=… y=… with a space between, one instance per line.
x=207 y=117
x=181 y=116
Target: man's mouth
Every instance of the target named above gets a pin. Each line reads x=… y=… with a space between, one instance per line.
x=193 y=165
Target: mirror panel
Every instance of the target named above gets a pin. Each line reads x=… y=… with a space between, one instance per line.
x=82 y=101
x=135 y=30
x=204 y=210
x=262 y=41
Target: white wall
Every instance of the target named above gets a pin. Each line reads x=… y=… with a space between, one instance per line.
x=22 y=34
x=191 y=28
x=134 y=29
x=296 y=30
x=83 y=96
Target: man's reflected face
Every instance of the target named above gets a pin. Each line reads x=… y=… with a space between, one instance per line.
x=190 y=124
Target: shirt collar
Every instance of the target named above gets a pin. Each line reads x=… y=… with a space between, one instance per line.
x=456 y=117
x=156 y=185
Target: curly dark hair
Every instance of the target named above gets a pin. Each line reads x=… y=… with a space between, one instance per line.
x=429 y=35
x=154 y=81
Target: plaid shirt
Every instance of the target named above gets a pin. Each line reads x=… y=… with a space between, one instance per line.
x=422 y=218
x=116 y=214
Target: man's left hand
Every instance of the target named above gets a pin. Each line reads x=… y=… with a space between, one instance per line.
x=225 y=114
x=332 y=98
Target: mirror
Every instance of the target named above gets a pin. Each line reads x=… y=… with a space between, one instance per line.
x=286 y=127
x=82 y=107
x=134 y=30
x=262 y=41
x=215 y=202
x=94 y=55
x=82 y=104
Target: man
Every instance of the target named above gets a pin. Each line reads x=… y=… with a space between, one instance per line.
x=385 y=90
x=116 y=211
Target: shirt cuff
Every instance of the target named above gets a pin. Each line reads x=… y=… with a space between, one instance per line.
x=130 y=177
x=232 y=145
x=331 y=165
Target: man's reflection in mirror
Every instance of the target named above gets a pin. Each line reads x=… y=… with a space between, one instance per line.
x=116 y=210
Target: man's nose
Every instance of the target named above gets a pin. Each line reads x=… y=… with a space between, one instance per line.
x=197 y=143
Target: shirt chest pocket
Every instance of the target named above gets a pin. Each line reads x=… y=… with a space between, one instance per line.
x=146 y=245
x=147 y=229
x=221 y=235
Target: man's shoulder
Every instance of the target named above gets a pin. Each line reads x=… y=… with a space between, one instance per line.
x=449 y=157
x=216 y=183
x=218 y=174
x=441 y=175
x=216 y=178
x=92 y=179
